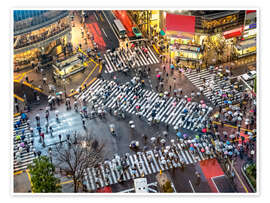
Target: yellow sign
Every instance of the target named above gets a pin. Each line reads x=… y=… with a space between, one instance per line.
x=221 y=21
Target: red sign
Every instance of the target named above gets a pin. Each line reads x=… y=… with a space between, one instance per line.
x=233 y=33
x=180 y=23
x=250 y=11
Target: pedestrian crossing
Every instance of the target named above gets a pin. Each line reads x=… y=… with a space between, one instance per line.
x=165 y=110
x=141 y=164
x=25 y=158
x=129 y=58
x=196 y=79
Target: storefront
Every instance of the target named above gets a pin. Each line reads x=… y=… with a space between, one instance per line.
x=246 y=48
x=185 y=47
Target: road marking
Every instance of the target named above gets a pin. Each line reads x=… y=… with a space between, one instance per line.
x=29 y=178
x=155 y=49
x=96 y=16
x=245 y=188
x=110 y=25
x=101 y=17
x=214 y=183
x=191 y=186
x=100 y=68
x=66 y=182
x=17 y=97
x=89 y=75
x=104 y=32
x=18 y=172
x=16 y=114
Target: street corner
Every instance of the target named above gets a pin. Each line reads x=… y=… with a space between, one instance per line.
x=21 y=182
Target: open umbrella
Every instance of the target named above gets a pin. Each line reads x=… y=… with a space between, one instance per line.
x=179 y=134
x=204 y=130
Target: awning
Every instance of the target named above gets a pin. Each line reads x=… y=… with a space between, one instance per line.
x=180 y=23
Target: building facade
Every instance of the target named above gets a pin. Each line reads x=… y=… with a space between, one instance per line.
x=38 y=34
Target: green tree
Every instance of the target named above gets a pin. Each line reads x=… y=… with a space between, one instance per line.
x=42 y=176
x=167 y=187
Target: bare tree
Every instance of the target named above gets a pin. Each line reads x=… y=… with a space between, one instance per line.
x=78 y=154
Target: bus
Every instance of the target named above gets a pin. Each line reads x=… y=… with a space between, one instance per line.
x=121 y=31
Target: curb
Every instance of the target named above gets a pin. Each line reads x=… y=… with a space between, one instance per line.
x=247 y=179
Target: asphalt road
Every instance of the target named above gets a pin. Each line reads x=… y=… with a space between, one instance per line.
x=103 y=28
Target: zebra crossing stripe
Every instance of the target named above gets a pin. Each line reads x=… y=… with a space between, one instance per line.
x=178 y=112
x=133 y=165
x=136 y=161
x=183 y=154
x=112 y=172
x=156 y=155
x=86 y=178
x=93 y=185
x=106 y=175
x=129 y=168
x=181 y=159
x=153 y=98
x=146 y=163
x=161 y=155
x=147 y=62
x=151 y=162
x=145 y=167
x=98 y=179
x=153 y=55
x=191 y=107
x=154 y=160
x=108 y=64
x=164 y=107
x=121 y=171
x=172 y=112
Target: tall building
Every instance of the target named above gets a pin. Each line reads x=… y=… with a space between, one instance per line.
x=38 y=34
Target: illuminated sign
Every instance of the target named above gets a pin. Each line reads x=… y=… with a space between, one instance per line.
x=218 y=22
x=233 y=33
x=252 y=26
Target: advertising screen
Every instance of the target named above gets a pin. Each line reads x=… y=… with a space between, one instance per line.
x=180 y=23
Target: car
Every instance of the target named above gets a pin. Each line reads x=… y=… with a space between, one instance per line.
x=249 y=76
x=136 y=32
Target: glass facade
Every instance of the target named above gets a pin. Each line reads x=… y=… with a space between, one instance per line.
x=24 y=14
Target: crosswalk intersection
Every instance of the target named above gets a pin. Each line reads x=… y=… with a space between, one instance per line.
x=196 y=79
x=169 y=111
x=136 y=60
x=140 y=164
x=26 y=157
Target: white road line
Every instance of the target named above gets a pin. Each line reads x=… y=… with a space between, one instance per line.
x=104 y=32
x=191 y=186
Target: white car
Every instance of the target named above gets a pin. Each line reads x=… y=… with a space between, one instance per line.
x=250 y=75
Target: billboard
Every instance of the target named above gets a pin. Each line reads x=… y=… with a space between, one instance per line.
x=181 y=23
